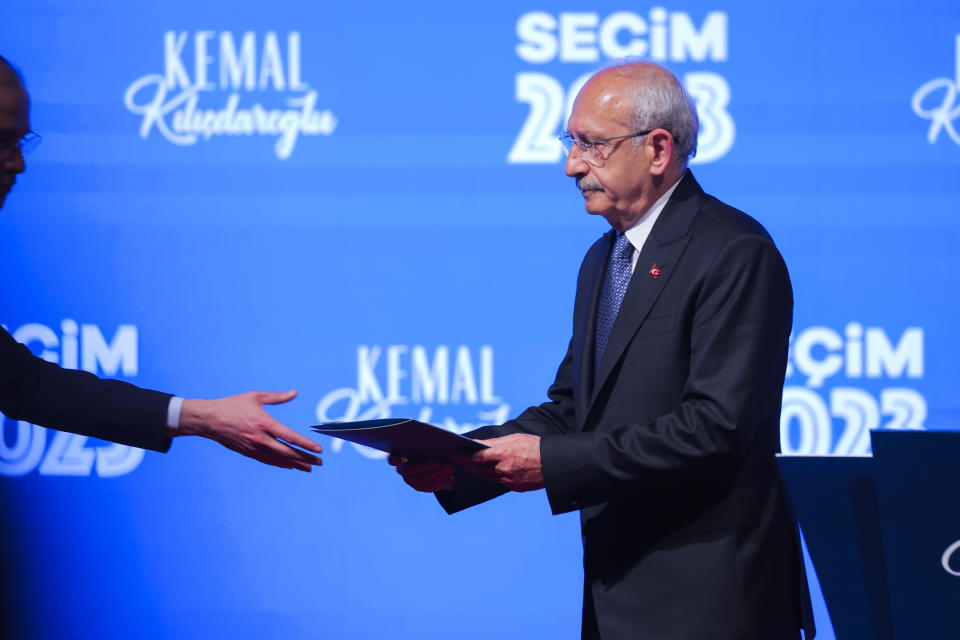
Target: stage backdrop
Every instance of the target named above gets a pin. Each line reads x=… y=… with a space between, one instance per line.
x=365 y=201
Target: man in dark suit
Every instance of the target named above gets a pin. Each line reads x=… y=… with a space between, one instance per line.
x=663 y=421
x=40 y=392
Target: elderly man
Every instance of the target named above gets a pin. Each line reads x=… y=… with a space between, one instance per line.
x=43 y=393
x=663 y=420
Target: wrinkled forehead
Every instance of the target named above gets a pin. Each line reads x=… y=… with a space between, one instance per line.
x=14 y=109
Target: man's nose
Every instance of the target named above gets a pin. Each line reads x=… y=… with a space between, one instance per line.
x=14 y=163
x=575 y=166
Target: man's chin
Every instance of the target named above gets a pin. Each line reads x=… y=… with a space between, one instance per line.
x=593 y=206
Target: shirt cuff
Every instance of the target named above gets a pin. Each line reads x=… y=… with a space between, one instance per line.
x=173 y=412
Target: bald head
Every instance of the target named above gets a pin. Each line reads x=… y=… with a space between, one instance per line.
x=14 y=124
x=658 y=101
x=9 y=76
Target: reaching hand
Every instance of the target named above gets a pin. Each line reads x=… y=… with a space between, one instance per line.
x=240 y=423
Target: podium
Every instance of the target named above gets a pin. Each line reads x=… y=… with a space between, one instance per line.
x=883 y=532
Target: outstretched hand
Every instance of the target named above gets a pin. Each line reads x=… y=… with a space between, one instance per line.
x=240 y=423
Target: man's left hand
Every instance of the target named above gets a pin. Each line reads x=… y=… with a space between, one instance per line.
x=513 y=461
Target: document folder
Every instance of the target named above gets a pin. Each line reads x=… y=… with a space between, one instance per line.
x=407 y=438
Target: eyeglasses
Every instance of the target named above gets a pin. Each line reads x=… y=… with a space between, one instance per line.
x=595 y=151
x=11 y=146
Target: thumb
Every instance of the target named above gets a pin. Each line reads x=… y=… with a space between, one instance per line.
x=276 y=397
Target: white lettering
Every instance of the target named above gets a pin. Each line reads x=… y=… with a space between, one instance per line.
x=237 y=69
x=170 y=103
x=658 y=33
x=947 y=556
x=817 y=370
x=271 y=64
x=69 y=351
x=430 y=382
x=120 y=354
x=116 y=460
x=537 y=140
x=711 y=93
x=176 y=73
x=367 y=386
x=883 y=358
x=611 y=28
x=686 y=43
x=202 y=60
x=464 y=382
x=189 y=123
x=80 y=346
x=578 y=37
x=860 y=413
x=854 y=353
x=23 y=453
x=906 y=407
x=293 y=62
x=487 y=396
x=821 y=352
x=807 y=426
x=537 y=42
x=395 y=373
x=40 y=333
x=550 y=107
x=583 y=37
x=807 y=410
x=941 y=115
x=67 y=456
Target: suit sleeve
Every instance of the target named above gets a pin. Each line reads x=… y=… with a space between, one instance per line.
x=555 y=416
x=40 y=392
x=738 y=349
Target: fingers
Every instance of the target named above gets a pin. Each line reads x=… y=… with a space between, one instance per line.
x=275 y=397
x=428 y=476
x=491 y=455
x=484 y=456
x=280 y=454
x=291 y=436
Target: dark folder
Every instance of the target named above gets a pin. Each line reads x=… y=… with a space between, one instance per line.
x=407 y=438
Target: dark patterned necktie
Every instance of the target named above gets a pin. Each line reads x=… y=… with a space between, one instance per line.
x=614 y=286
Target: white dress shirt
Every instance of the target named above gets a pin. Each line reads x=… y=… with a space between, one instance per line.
x=173 y=412
x=637 y=234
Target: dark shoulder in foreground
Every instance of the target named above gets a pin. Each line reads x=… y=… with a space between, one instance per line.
x=726 y=218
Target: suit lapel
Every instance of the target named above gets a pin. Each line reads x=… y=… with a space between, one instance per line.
x=663 y=248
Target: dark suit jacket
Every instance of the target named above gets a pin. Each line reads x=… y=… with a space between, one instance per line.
x=37 y=391
x=669 y=453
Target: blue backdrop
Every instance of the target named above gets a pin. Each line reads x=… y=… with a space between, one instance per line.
x=365 y=201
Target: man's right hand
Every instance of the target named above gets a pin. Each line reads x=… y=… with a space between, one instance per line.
x=427 y=475
x=240 y=423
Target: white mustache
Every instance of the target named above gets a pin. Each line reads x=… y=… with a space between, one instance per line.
x=583 y=185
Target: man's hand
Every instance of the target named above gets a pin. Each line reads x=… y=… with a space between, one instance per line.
x=427 y=476
x=240 y=423
x=513 y=461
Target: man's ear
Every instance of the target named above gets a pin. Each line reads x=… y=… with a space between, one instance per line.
x=661 y=141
